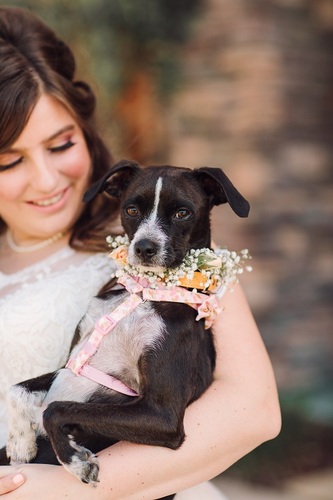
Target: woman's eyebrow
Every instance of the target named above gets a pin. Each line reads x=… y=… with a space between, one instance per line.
x=67 y=128
x=59 y=132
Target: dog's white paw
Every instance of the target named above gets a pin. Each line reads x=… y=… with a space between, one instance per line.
x=21 y=446
x=21 y=442
x=84 y=465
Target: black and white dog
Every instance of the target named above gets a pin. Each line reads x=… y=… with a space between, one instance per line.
x=159 y=351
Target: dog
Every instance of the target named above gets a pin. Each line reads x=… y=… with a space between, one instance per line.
x=158 y=352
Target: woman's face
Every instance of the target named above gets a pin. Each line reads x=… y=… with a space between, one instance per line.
x=44 y=173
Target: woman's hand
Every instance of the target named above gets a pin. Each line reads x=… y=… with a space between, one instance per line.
x=9 y=481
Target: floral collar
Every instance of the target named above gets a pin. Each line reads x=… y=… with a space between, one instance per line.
x=202 y=269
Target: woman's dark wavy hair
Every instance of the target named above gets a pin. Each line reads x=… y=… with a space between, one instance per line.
x=35 y=61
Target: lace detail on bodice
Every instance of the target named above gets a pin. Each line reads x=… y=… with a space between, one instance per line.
x=40 y=307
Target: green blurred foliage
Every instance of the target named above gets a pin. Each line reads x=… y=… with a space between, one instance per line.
x=112 y=36
x=112 y=41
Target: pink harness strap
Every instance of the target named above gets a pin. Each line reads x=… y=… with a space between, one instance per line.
x=102 y=378
x=102 y=327
x=79 y=363
x=206 y=305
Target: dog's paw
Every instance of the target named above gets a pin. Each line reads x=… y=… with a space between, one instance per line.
x=84 y=465
x=21 y=441
x=21 y=445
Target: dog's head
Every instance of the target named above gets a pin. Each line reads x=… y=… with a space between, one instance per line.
x=165 y=210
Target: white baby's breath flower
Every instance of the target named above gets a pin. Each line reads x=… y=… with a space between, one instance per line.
x=216 y=268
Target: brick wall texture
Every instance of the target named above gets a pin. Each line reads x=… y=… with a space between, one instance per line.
x=256 y=99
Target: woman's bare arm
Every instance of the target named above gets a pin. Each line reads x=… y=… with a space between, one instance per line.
x=238 y=412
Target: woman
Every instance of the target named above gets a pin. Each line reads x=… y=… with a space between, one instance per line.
x=52 y=261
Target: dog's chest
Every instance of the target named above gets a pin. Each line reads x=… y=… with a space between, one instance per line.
x=119 y=351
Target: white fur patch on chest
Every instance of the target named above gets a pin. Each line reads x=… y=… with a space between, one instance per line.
x=118 y=353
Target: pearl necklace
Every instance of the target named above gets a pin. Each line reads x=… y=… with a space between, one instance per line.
x=32 y=248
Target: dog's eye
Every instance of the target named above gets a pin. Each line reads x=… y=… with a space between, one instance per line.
x=182 y=213
x=132 y=211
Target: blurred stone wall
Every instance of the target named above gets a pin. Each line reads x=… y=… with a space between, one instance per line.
x=257 y=100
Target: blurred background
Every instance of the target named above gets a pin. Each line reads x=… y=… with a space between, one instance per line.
x=246 y=85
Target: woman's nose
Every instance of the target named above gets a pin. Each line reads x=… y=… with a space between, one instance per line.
x=44 y=176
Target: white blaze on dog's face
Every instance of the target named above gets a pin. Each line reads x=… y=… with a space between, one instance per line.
x=149 y=243
x=161 y=213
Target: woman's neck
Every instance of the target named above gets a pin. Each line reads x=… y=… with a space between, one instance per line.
x=12 y=261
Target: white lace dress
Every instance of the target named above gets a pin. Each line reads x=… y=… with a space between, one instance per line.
x=40 y=307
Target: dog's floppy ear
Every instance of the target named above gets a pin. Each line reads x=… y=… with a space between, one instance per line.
x=114 y=181
x=221 y=190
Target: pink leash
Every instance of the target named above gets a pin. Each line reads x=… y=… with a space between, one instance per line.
x=206 y=305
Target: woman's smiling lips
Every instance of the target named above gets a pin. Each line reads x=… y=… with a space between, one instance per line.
x=53 y=202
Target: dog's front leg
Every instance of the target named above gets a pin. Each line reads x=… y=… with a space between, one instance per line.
x=139 y=422
x=24 y=403
x=62 y=421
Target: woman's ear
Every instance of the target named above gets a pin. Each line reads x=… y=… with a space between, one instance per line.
x=220 y=190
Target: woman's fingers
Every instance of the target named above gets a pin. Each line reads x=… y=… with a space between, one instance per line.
x=11 y=482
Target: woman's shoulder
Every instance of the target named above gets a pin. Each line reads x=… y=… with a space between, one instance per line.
x=65 y=264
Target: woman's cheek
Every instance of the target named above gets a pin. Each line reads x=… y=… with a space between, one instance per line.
x=77 y=163
x=11 y=187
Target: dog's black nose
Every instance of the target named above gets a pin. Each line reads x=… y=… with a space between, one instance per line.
x=146 y=249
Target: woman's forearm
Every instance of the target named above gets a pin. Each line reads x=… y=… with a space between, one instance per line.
x=128 y=471
x=208 y=450
x=235 y=415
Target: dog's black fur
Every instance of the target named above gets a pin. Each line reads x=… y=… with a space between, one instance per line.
x=173 y=368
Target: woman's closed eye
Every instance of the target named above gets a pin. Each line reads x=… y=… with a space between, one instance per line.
x=8 y=163
x=62 y=147
x=7 y=166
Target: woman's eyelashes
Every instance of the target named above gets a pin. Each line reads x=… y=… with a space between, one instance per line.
x=52 y=149
x=62 y=147
x=8 y=166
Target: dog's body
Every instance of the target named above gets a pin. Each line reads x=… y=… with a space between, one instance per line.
x=158 y=350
